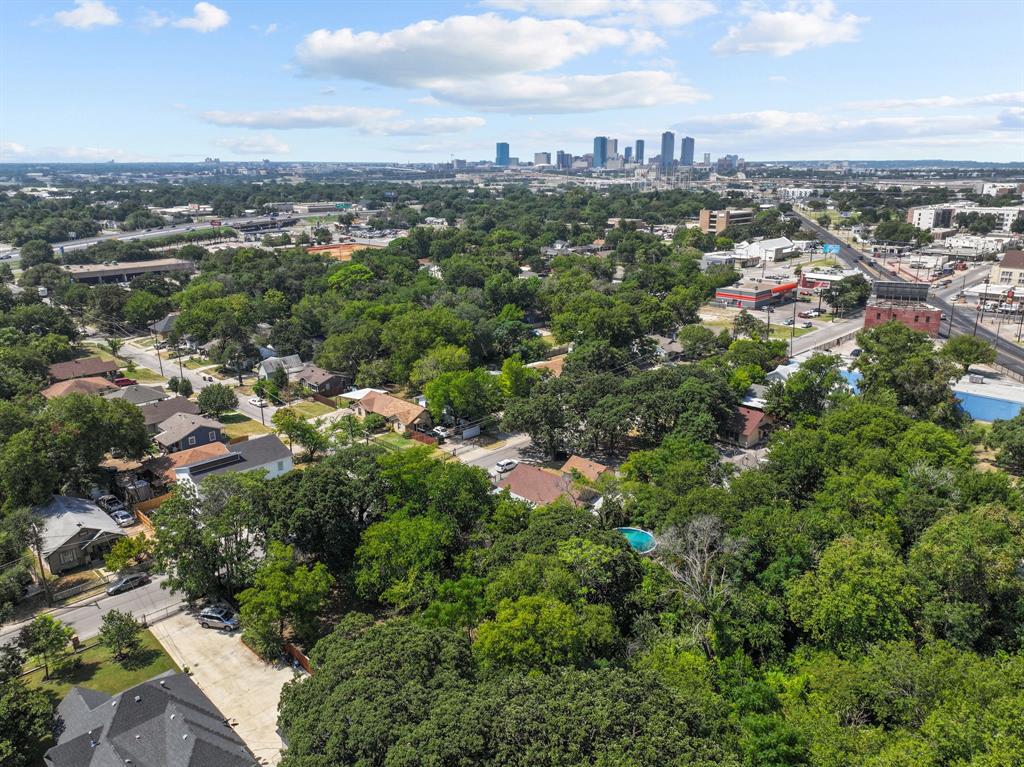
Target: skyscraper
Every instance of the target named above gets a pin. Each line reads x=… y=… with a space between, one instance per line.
x=542 y=158
x=707 y=158
x=640 y=151
x=613 y=147
x=501 y=156
x=686 y=156
x=668 y=149
x=563 y=160
x=600 y=151
x=627 y=154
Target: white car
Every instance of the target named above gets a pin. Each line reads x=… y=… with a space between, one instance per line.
x=257 y=402
x=506 y=464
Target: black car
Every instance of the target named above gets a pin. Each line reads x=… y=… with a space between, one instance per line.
x=127 y=583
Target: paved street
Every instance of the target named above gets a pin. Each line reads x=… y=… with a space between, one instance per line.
x=147 y=357
x=486 y=457
x=86 y=616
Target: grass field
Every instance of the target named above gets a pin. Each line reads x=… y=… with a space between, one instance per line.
x=311 y=409
x=145 y=342
x=239 y=425
x=145 y=375
x=97 y=670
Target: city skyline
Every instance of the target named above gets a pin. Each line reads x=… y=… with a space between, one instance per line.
x=796 y=81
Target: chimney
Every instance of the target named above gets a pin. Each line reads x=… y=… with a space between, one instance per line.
x=138 y=699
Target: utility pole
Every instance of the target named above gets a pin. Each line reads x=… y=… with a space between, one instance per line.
x=980 y=316
x=159 y=360
x=792 y=328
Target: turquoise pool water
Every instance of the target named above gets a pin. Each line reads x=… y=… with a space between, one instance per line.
x=639 y=540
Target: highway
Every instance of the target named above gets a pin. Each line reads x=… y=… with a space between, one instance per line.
x=961 y=319
x=143 y=234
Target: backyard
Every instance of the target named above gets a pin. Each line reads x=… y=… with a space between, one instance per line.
x=238 y=425
x=310 y=409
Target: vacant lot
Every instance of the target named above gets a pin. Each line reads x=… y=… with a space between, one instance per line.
x=239 y=425
x=310 y=409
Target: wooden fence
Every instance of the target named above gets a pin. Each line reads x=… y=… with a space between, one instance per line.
x=331 y=402
x=298 y=656
x=419 y=436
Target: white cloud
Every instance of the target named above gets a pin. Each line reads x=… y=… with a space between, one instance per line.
x=782 y=33
x=11 y=149
x=88 y=14
x=372 y=121
x=303 y=117
x=1012 y=119
x=568 y=93
x=14 y=152
x=429 y=101
x=657 y=13
x=153 y=20
x=459 y=47
x=1008 y=99
x=264 y=144
x=778 y=79
x=205 y=17
x=270 y=28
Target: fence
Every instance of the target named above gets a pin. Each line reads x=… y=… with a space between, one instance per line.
x=298 y=656
x=419 y=436
x=331 y=402
x=143 y=507
x=60 y=596
x=148 y=619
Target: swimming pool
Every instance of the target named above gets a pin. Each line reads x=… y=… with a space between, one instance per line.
x=639 y=540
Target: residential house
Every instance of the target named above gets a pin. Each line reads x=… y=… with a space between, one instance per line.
x=553 y=364
x=86 y=367
x=155 y=413
x=749 y=427
x=162 y=328
x=163 y=467
x=139 y=394
x=184 y=430
x=542 y=486
x=162 y=722
x=87 y=385
x=291 y=364
x=590 y=470
x=266 y=453
x=401 y=415
x=320 y=381
x=76 y=532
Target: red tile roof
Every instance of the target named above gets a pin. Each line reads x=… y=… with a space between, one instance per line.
x=589 y=469
x=539 y=486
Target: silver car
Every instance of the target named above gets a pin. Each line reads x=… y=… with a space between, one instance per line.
x=218 y=618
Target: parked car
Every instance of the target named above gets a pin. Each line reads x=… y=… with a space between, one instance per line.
x=804 y=315
x=788 y=321
x=110 y=503
x=127 y=583
x=160 y=345
x=123 y=517
x=442 y=432
x=218 y=618
x=806 y=325
x=122 y=381
x=506 y=464
x=257 y=402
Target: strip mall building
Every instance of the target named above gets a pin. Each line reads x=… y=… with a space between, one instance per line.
x=756 y=295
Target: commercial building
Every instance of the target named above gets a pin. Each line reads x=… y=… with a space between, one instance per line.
x=930 y=217
x=640 y=151
x=563 y=160
x=823 y=278
x=756 y=294
x=501 y=155
x=1009 y=271
x=542 y=158
x=627 y=154
x=686 y=155
x=717 y=221
x=707 y=158
x=600 y=151
x=668 y=149
x=613 y=147
x=915 y=315
x=126 y=271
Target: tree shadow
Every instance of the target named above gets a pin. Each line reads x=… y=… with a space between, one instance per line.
x=139 y=659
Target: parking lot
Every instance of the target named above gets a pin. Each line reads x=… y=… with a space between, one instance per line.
x=244 y=688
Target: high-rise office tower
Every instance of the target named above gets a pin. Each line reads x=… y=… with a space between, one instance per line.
x=668 y=149
x=501 y=157
x=627 y=154
x=542 y=158
x=563 y=160
x=613 y=147
x=600 y=151
x=640 y=151
x=707 y=158
x=686 y=155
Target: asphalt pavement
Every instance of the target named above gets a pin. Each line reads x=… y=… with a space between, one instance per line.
x=85 y=617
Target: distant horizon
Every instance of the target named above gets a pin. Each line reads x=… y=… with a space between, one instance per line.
x=177 y=81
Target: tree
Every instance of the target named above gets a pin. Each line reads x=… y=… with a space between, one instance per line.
x=283 y=591
x=968 y=350
x=824 y=220
x=119 y=633
x=114 y=345
x=46 y=639
x=469 y=395
x=696 y=342
x=809 y=391
x=216 y=399
x=129 y=550
x=184 y=387
x=35 y=252
x=859 y=593
x=299 y=430
x=848 y=293
x=516 y=379
x=144 y=308
x=26 y=714
x=443 y=358
x=1008 y=438
x=748 y=325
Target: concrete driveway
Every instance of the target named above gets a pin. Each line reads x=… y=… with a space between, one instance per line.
x=244 y=688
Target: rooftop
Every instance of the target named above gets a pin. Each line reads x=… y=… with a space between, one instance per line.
x=592 y=470
x=180 y=425
x=151 y=265
x=157 y=412
x=86 y=385
x=1013 y=259
x=81 y=368
x=243 y=456
x=536 y=485
x=392 y=407
x=139 y=394
x=65 y=516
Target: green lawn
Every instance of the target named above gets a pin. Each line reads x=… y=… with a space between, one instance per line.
x=194 y=363
x=144 y=341
x=239 y=425
x=97 y=670
x=145 y=375
x=395 y=440
x=782 y=332
x=311 y=409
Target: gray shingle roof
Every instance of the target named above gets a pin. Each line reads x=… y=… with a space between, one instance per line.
x=64 y=517
x=155 y=413
x=180 y=425
x=251 y=454
x=139 y=394
x=165 y=722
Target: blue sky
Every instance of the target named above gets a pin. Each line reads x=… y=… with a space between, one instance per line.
x=92 y=80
